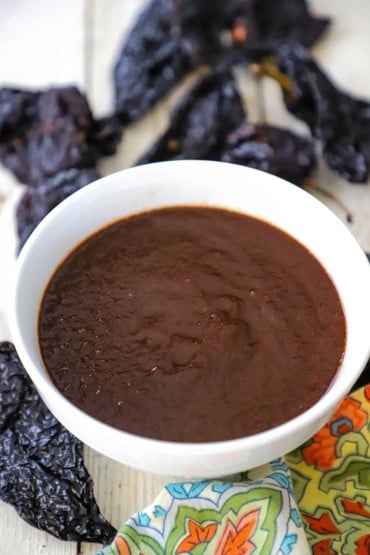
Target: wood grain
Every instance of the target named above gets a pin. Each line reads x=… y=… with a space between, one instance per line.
x=42 y=43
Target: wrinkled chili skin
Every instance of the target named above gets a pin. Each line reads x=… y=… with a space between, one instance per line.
x=169 y=39
x=216 y=32
x=37 y=202
x=288 y=20
x=172 y=37
x=272 y=149
x=151 y=62
x=17 y=108
x=107 y=134
x=200 y=123
x=339 y=121
x=43 y=133
x=42 y=473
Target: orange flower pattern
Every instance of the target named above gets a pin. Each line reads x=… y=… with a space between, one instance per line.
x=122 y=546
x=367 y=392
x=322 y=451
x=197 y=534
x=323 y=548
x=355 y=508
x=363 y=545
x=323 y=524
x=332 y=480
x=349 y=417
x=236 y=538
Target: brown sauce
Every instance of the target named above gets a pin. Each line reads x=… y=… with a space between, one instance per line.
x=191 y=324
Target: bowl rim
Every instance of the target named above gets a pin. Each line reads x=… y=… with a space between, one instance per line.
x=332 y=396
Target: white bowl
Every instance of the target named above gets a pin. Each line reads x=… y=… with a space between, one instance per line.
x=193 y=183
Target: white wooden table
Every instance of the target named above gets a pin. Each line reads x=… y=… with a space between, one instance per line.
x=44 y=42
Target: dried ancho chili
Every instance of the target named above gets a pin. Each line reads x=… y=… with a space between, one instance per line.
x=339 y=121
x=288 y=20
x=213 y=32
x=42 y=133
x=38 y=201
x=272 y=149
x=201 y=122
x=170 y=38
x=15 y=106
x=42 y=473
x=151 y=62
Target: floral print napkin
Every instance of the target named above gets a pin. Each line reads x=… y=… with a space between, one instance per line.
x=331 y=479
x=316 y=500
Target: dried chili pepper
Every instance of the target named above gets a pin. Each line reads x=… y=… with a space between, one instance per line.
x=339 y=121
x=106 y=134
x=169 y=38
x=272 y=149
x=16 y=108
x=172 y=37
x=37 y=202
x=288 y=20
x=214 y=32
x=42 y=133
x=201 y=122
x=151 y=62
x=42 y=473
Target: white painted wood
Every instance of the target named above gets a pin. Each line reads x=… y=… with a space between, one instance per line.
x=121 y=490
x=7 y=255
x=344 y=50
x=18 y=537
x=42 y=43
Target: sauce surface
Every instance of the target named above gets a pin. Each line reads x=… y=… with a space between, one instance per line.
x=191 y=324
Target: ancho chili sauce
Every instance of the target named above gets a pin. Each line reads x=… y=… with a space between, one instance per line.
x=191 y=324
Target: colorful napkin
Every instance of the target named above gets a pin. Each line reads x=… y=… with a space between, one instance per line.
x=316 y=500
x=331 y=479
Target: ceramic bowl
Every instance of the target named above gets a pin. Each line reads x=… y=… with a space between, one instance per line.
x=189 y=183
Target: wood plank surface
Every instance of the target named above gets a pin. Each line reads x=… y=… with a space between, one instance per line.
x=42 y=43
x=77 y=41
